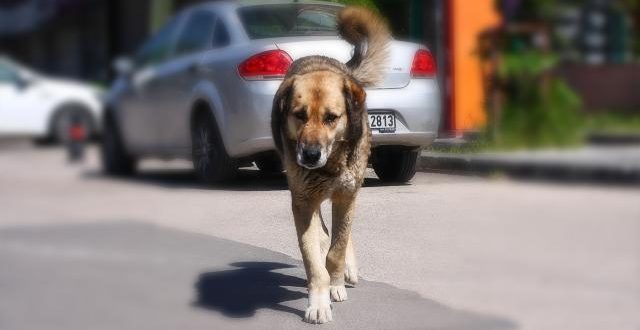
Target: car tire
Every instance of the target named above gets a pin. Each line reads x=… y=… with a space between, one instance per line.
x=115 y=158
x=270 y=164
x=59 y=128
x=210 y=159
x=394 y=164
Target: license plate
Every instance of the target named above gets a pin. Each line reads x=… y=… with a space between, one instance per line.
x=382 y=122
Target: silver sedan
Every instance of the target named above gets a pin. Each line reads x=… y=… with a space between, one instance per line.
x=202 y=87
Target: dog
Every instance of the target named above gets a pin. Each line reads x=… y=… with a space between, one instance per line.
x=320 y=128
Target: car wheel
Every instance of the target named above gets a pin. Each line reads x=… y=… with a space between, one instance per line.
x=269 y=164
x=65 y=117
x=210 y=159
x=115 y=159
x=394 y=164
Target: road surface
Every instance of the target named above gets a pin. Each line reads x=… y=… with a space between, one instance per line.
x=79 y=250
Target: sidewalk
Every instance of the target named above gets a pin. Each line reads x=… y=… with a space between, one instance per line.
x=617 y=164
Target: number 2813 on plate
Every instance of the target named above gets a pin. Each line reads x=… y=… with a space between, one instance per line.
x=382 y=122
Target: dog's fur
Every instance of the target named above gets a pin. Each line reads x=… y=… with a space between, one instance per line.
x=320 y=128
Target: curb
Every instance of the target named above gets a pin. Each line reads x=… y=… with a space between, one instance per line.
x=522 y=167
x=613 y=139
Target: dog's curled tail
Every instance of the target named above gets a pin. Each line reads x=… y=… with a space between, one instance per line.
x=369 y=33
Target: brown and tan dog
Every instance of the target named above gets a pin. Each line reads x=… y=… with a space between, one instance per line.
x=319 y=125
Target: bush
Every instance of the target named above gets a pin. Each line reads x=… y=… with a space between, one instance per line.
x=539 y=109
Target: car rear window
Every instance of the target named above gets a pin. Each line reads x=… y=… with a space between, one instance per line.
x=272 y=21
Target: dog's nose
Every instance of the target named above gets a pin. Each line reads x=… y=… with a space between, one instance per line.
x=311 y=155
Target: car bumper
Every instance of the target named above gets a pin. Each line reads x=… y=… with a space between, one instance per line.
x=416 y=106
x=417 y=140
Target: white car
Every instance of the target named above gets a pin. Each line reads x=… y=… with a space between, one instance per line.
x=42 y=107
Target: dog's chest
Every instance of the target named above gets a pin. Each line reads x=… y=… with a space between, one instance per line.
x=347 y=180
x=324 y=186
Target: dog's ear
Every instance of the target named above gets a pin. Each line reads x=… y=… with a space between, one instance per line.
x=280 y=110
x=355 y=97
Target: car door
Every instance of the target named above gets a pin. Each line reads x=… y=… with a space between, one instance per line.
x=181 y=75
x=143 y=100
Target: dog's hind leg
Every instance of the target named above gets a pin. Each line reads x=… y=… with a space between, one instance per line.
x=308 y=228
x=343 y=208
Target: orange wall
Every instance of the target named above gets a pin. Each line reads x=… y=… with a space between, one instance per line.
x=469 y=17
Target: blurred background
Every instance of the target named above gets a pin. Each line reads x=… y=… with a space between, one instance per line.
x=523 y=213
x=482 y=50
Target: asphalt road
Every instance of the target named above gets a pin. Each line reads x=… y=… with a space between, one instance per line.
x=82 y=251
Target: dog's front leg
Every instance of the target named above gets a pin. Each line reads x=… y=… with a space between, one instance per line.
x=308 y=228
x=342 y=216
x=351 y=265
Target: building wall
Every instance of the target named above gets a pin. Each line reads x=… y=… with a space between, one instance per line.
x=607 y=87
x=78 y=38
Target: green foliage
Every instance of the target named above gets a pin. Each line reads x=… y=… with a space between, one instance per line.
x=532 y=10
x=611 y=122
x=539 y=109
x=553 y=120
x=633 y=8
x=160 y=11
x=525 y=65
x=631 y=5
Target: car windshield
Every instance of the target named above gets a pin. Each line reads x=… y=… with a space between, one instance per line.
x=272 y=21
x=6 y=74
x=16 y=69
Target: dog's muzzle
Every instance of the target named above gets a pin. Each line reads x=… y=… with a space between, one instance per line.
x=311 y=156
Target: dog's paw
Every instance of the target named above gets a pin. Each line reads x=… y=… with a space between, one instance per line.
x=318 y=314
x=351 y=274
x=319 y=309
x=338 y=293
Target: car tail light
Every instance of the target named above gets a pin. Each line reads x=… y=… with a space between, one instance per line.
x=271 y=64
x=424 y=65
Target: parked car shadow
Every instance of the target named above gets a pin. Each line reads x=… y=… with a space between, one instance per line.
x=248 y=179
x=240 y=292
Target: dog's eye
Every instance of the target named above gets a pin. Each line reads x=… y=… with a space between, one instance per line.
x=302 y=115
x=330 y=118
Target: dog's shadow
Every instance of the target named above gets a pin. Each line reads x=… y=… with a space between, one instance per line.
x=239 y=293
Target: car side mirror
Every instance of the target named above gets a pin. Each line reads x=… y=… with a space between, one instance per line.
x=123 y=66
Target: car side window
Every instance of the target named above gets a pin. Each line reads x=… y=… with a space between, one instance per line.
x=196 y=34
x=158 y=47
x=221 y=36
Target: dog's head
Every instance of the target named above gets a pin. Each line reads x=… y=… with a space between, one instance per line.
x=316 y=110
